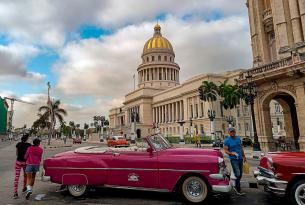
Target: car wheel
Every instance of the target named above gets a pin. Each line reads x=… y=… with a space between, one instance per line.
x=194 y=190
x=297 y=193
x=77 y=190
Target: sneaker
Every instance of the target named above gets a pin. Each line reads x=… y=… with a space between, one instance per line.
x=15 y=195
x=238 y=193
x=28 y=194
x=24 y=190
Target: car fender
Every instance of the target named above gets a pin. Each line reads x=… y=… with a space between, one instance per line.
x=75 y=178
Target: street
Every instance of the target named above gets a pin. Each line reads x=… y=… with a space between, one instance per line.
x=49 y=194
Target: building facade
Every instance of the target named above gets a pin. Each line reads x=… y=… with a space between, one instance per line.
x=3 y=116
x=277 y=30
x=161 y=101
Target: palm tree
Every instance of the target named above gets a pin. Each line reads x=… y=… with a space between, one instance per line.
x=232 y=95
x=53 y=112
x=208 y=91
x=86 y=126
x=72 y=127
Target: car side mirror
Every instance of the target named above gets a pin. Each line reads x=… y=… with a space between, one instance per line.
x=149 y=149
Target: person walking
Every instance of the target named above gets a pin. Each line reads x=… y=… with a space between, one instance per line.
x=21 y=148
x=233 y=148
x=33 y=158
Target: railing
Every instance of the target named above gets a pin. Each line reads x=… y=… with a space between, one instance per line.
x=268 y=67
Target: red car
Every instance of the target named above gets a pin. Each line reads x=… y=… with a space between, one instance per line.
x=77 y=140
x=117 y=141
x=152 y=165
x=283 y=173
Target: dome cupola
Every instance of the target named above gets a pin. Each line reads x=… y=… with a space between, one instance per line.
x=158 y=68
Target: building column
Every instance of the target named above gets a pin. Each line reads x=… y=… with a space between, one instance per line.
x=183 y=108
x=281 y=24
x=302 y=15
x=295 y=21
x=300 y=108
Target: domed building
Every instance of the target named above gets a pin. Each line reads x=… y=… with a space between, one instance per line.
x=161 y=101
x=158 y=68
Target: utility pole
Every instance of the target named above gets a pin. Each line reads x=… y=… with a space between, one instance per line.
x=51 y=114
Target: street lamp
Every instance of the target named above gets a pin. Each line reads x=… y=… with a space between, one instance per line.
x=229 y=120
x=250 y=91
x=212 y=115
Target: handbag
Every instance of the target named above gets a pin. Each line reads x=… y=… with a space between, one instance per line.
x=246 y=168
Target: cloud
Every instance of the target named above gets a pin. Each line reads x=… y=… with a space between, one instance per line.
x=47 y=22
x=13 y=60
x=104 y=67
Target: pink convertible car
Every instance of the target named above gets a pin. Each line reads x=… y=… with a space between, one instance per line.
x=153 y=165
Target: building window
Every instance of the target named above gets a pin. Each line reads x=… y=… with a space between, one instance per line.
x=277 y=108
x=159 y=58
x=147 y=76
x=192 y=114
x=202 y=111
x=147 y=59
x=153 y=58
x=170 y=59
x=160 y=75
x=247 y=126
x=196 y=108
x=165 y=58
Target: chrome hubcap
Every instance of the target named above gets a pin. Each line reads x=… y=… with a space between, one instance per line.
x=194 y=188
x=300 y=194
x=78 y=188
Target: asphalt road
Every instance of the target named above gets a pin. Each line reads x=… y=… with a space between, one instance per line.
x=106 y=195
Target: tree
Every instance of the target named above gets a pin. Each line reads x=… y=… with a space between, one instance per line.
x=53 y=112
x=231 y=95
x=208 y=91
x=86 y=126
x=72 y=127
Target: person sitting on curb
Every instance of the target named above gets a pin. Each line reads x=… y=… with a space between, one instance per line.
x=233 y=148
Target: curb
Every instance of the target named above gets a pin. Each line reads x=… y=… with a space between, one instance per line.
x=52 y=147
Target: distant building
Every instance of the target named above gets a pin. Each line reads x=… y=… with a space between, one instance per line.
x=3 y=116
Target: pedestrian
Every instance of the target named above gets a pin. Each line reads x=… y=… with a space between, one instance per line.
x=21 y=148
x=33 y=158
x=233 y=148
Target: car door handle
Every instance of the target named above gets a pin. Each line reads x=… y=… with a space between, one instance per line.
x=116 y=154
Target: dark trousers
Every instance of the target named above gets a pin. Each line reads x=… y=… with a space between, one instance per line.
x=237 y=166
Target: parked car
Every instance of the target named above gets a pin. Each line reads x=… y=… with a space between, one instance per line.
x=283 y=173
x=77 y=140
x=117 y=141
x=246 y=142
x=218 y=143
x=153 y=165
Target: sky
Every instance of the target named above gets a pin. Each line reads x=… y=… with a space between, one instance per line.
x=89 y=50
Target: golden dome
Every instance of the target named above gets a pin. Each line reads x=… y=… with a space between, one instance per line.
x=157 y=42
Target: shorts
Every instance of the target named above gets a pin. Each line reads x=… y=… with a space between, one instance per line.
x=32 y=168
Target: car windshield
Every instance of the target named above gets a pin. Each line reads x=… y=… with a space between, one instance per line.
x=159 y=142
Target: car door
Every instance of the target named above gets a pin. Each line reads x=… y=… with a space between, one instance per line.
x=134 y=168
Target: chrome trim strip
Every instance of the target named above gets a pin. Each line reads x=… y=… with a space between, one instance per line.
x=298 y=173
x=132 y=169
x=136 y=188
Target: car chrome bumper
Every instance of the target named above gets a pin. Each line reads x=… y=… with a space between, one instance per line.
x=222 y=188
x=271 y=184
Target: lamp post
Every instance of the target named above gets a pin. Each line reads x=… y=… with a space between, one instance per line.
x=250 y=91
x=229 y=120
x=181 y=132
x=212 y=115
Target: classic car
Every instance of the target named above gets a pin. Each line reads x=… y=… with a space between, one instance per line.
x=77 y=140
x=153 y=165
x=117 y=141
x=283 y=174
